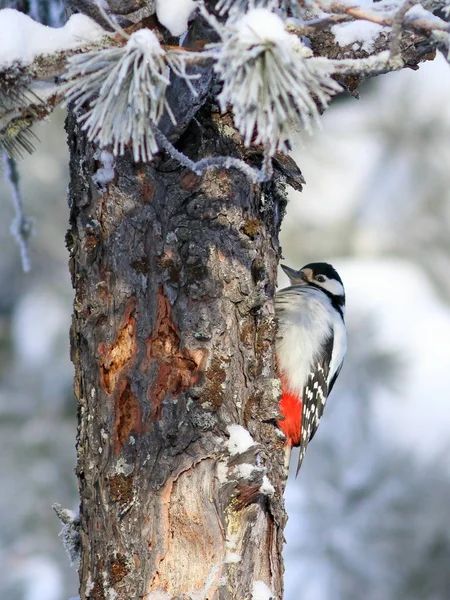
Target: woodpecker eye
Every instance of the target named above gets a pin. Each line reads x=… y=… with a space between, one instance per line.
x=320 y=278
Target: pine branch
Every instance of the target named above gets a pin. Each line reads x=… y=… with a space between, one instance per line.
x=21 y=103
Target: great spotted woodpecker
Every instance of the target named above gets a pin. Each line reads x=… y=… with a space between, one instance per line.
x=310 y=348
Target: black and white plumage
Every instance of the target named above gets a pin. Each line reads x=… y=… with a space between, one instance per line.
x=310 y=347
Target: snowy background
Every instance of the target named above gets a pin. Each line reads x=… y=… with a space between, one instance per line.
x=369 y=513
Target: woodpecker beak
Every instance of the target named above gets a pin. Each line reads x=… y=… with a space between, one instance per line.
x=295 y=277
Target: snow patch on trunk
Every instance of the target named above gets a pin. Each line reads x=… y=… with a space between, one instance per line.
x=105 y=174
x=261 y=591
x=240 y=440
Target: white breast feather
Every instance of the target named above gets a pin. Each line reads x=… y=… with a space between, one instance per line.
x=305 y=319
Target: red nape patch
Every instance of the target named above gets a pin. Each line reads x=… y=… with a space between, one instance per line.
x=291 y=409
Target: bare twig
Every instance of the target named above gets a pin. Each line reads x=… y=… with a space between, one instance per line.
x=397 y=28
x=373 y=65
x=267 y=167
x=92 y=10
x=305 y=28
x=21 y=226
x=224 y=162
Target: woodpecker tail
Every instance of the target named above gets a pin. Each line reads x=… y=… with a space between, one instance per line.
x=301 y=456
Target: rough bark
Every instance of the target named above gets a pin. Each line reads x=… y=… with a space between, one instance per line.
x=172 y=341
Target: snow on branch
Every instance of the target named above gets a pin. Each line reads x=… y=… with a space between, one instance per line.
x=23 y=39
x=31 y=56
x=399 y=18
x=271 y=80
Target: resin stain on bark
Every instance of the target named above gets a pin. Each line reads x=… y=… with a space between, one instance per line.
x=176 y=368
x=128 y=415
x=148 y=188
x=117 y=359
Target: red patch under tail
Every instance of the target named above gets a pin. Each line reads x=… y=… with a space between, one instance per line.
x=291 y=409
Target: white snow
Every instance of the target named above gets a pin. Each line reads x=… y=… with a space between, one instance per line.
x=240 y=440
x=222 y=471
x=22 y=39
x=245 y=470
x=266 y=487
x=232 y=557
x=146 y=41
x=158 y=595
x=419 y=12
x=68 y=514
x=261 y=591
x=261 y=25
x=175 y=14
x=105 y=174
x=363 y=33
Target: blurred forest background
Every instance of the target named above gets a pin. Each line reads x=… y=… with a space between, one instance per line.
x=369 y=512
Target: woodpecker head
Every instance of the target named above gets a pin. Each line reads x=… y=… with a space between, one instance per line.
x=320 y=275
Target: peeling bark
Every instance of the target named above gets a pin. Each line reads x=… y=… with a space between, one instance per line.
x=172 y=341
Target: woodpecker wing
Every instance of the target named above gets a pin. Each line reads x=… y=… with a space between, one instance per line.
x=314 y=397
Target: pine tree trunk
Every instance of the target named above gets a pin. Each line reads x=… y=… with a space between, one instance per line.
x=172 y=341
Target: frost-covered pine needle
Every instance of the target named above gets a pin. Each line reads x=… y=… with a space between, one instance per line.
x=178 y=62
x=70 y=533
x=271 y=80
x=126 y=91
x=22 y=226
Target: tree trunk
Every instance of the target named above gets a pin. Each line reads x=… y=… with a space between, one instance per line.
x=172 y=341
